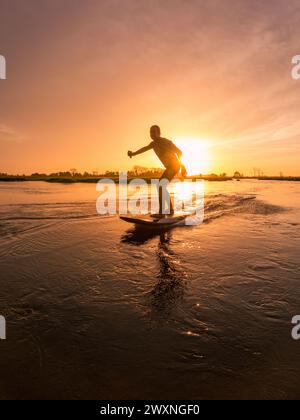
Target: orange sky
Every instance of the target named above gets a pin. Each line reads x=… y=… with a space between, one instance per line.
x=86 y=79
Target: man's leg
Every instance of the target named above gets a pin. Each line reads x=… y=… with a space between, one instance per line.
x=169 y=174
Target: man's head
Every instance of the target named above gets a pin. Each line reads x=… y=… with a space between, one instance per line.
x=155 y=132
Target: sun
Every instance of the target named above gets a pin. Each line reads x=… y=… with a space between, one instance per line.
x=196 y=156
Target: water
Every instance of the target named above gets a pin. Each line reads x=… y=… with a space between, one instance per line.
x=98 y=309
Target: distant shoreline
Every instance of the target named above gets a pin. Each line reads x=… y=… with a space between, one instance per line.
x=95 y=179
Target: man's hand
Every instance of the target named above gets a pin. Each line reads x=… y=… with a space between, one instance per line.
x=138 y=152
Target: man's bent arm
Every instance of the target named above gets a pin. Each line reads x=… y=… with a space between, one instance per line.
x=178 y=152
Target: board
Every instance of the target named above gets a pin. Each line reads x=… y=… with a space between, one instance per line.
x=155 y=223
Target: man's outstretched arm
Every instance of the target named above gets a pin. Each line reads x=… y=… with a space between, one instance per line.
x=140 y=151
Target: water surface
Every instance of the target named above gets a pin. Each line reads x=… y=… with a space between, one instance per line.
x=98 y=309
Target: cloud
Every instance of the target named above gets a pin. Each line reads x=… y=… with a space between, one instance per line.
x=9 y=134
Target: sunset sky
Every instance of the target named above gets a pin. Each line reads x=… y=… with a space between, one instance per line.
x=86 y=79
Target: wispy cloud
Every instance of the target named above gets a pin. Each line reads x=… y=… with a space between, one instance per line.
x=9 y=134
